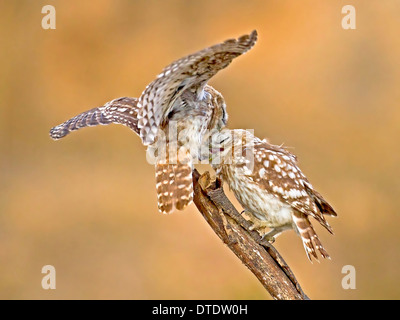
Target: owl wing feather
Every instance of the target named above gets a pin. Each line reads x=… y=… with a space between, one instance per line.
x=120 y=111
x=191 y=72
x=275 y=170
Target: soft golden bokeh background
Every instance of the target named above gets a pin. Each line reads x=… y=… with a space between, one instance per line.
x=87 y=204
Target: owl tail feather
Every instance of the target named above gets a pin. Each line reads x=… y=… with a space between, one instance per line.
x=310 y=239
x=174 y=185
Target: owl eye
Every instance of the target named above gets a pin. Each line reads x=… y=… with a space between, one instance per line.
x=181 y=86
x=171 y=114
x=223 y=140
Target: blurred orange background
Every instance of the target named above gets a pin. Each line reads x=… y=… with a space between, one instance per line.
x=87 y=204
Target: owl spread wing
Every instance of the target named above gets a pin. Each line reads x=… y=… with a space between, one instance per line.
x=121 y=111
x=191 y=72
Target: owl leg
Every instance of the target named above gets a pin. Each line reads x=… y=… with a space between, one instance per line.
x=257 y=224
x=261 y=225
x=275 y=232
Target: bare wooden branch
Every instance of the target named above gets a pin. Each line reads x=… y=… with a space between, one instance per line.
x=259 y=256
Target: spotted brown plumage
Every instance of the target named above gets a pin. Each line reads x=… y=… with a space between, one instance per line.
x=180 y=97
x=188 y=74
x=270 y=186
x=119 y=111
x=178 y=101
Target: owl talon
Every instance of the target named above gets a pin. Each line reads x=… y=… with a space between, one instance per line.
x=257 y=224
x=270 y=239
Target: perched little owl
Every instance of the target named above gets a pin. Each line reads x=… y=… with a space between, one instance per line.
x=270 y=186
x=171 y=116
